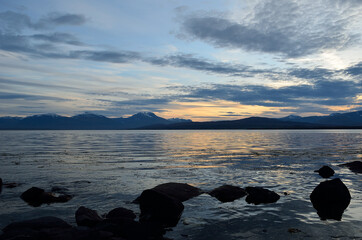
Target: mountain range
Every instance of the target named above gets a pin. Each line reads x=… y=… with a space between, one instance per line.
x=86 y=121
x=148 y=120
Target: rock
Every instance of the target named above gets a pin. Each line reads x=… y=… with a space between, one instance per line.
x=121 y=213
x=259 y=195
x=87 y=217
x=180 y=191
x=37 y=196
x=355 y=166
x=39 y=228
x=37 y=224
x=131 y=230
x=330 y=199
x=11 y=185
x=325 y=172
x=160 y=208
x=228 y=193
x=294 y=230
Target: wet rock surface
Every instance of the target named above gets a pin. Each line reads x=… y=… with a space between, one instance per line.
x=39 y=228
x=87 y=217
x=36 y=196
x=160 y=208
x=121 y=213
x=330 y=199
x=258 y=195
x=325 y=171
x=228 y=193
x=180 y=191
x=355 y=166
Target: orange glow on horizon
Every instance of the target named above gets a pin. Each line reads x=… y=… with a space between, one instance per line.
x=215 y=111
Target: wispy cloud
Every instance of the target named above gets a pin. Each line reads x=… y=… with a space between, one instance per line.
x=291 y=28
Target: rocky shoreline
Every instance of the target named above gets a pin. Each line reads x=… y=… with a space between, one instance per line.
x=160 y=209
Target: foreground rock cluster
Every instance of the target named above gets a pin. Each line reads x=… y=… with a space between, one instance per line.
x=160 y=209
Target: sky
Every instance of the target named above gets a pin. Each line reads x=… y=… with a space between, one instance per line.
x=200 y=60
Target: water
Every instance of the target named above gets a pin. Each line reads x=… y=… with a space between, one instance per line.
x=109 y=169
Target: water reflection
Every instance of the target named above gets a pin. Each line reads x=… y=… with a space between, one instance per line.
x=120 y=164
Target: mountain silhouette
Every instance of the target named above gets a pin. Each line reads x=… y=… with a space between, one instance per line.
x=149 y=120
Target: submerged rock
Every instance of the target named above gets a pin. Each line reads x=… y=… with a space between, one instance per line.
x=122 y=213
x=355 y=166
x=180 y=191
x=325 y=172
x=257 y=195
x=87 y=217
x=330 y=199
x=157 y=207
x=228 y=193
x=36 y=196
x=11 y=185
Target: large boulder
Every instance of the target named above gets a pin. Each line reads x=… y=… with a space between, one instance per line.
x=355 y=166
x=325 y=172
x=257 y=195
x=180 y=191
x=157 y=207
x=87 y=217
x=330 y=199
x=228 y=193
x=36 y=196
x=121 y=213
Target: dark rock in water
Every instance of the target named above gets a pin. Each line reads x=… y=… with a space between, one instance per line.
x=121 y=213
x=37 y=196
x=131 y=230
x=180 y=191
x=37 y=224
x=259 y=195
x=87 y=217
x=160 y=208
x=228 y=193
x=1 y=185
x=11 y=185
x=40 y=228
x=52 y=228
x=355 y=166
x=325 y=172
x=330 y=199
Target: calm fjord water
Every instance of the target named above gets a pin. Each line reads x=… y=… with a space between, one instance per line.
x=109 y=169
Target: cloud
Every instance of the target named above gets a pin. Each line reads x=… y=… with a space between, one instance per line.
x=106 y=56
x=321 y=92
x=291 y=28
x=316 y=73
x=62 y=19
x=142 y=102
x=11 y=22
x=4 y=82
x=200 y=64
x=58 y=38
x=20 y=96
x=355 y=70
x=14 y=22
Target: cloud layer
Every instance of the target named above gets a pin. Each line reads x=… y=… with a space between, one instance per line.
x=291 y=28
